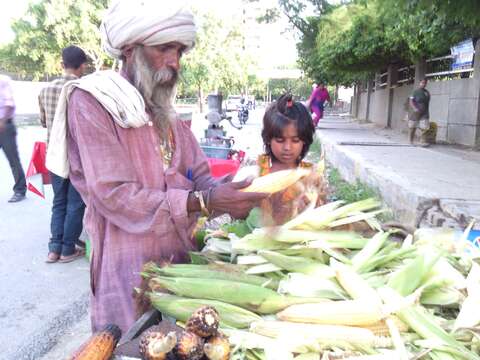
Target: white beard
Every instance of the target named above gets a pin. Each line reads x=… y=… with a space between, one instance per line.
x=158 y=89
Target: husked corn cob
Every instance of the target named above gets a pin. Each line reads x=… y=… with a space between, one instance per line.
x=276 y=181
x=327 y=335
x=381 y=329
x=346 y=312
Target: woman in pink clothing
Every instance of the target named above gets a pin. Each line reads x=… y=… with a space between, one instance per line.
x=317 y=101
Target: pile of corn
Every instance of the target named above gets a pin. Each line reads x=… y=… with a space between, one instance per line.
x=315 y=288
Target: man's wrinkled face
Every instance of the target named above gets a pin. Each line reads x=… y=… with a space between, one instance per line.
x=164 y=60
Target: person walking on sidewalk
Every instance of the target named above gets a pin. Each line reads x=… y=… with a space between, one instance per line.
x=8 y=139
x=419 y=115
x=68 y=207
x=316 y=102
x=139 y=169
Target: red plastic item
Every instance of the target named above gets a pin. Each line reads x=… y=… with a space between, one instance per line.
x=222 y=167
x=37 y=174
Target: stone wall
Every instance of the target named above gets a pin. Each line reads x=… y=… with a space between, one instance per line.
x=454 y=106
x=379 y=107
x=401 y=94
x=362 y=106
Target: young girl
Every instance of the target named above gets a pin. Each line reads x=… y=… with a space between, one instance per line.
x=287 y=134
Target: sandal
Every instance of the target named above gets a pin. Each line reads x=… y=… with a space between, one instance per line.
x=52 y=257
x=69 y=258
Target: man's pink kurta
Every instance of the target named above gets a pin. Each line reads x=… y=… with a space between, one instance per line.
x=136 y=211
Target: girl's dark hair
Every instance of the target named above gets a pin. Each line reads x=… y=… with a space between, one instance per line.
x=286 y=111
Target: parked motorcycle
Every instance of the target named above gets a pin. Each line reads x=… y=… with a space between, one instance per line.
x=243 y=114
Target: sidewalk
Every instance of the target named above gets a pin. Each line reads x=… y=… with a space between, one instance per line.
x=39 y=301
x=434 y=186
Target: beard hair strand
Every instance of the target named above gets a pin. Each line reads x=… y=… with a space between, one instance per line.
x=158 y=89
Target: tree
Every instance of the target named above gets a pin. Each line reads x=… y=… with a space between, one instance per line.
x=361 y=37
x=217 y=63
x=49 y=26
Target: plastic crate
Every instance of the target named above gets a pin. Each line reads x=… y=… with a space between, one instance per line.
x=215 y=152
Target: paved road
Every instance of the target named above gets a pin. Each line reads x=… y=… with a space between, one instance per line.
x=43 y=305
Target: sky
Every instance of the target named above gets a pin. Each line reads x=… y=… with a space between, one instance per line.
x=276 y=44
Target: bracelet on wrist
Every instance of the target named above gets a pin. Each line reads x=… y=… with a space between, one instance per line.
x=201 y=200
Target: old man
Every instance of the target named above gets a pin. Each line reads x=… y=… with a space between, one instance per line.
x=141 y=172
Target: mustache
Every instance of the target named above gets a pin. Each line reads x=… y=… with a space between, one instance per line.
x=167 y=76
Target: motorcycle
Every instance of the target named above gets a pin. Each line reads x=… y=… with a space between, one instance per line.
x=243 y=114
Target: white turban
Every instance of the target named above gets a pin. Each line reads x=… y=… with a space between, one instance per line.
x=146 y=22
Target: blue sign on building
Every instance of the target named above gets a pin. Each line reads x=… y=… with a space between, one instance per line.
x=463 y=55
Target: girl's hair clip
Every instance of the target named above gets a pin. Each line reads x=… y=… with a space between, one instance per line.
x=289 y=103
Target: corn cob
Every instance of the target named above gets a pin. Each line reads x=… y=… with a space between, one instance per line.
x=228 y=272
x=276 y=181
x=425 y=325
x=354 y=284
x=251 y=297
x=99 y=346
x=336 y=239
x=298 y=264
x=381 y=329
x=346 y=312
x=327 y=335
x=182 y=308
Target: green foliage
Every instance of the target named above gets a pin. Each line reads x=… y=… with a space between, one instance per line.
x=300 y=88
x=245 y=227
x=350 y=193
x=47 y=27
x=347 y=43
x=217 y=62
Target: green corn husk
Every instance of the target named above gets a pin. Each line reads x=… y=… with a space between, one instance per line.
x=336 y=239
x=425 y=325
x=322 y=217
x=212 y=271
x=444 y=296
x=371 y=248
x=298 y=264
x=386 y=255
x=263 y=269
x=307 y=286
x=336 y=254
x=409 y=277
x=255 y=298
x=304 y=251
x=355 y=218
x=207 y=257
x=182 y=308
x=310 y=215
x=255 y=241
x=250 y=260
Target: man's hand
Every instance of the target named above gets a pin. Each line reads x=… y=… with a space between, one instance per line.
x=226 y=198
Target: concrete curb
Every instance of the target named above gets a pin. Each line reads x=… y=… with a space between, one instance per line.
x=46 y=337
x=407 y=205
